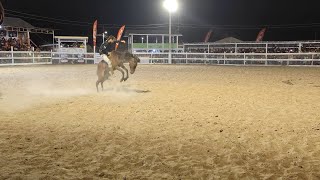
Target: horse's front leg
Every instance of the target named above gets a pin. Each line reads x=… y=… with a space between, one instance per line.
x=119 y=69
x=123 y=67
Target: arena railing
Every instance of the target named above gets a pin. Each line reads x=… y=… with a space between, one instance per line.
x=24 y=57
x=264 y=59
x=45 y=57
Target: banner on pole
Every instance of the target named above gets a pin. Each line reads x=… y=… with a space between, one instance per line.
x=95 y=25
x=208 y=36
x=120 y=35
x=261 y=35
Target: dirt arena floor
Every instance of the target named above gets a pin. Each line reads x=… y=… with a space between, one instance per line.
x=165 y=122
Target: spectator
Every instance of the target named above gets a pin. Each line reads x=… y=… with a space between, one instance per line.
x=5 y=44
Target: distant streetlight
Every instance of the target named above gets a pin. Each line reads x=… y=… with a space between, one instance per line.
x=171 y=6
x=142 y=39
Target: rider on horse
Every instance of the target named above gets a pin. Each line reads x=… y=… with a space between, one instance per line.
x=106 y=48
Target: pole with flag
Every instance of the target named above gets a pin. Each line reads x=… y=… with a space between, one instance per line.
x=261 y=35
x=95 y=26
x=208 y=36
x=120 y=32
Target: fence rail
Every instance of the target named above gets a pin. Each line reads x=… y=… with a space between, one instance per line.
x=33 y=58
x=263 y=59
x=290 y=59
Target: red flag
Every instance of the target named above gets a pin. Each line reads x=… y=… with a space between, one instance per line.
x=261 y=35
x=120 y=35
x=208 y=36
x=95 y=24
x=1 y=13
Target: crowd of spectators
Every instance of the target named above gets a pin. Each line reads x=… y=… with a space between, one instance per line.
x=72 y=45
x=6 y=44
x=310 y=48
x=305 y=48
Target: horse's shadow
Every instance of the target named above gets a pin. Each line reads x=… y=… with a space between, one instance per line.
x=141 y=91
x=126 y=90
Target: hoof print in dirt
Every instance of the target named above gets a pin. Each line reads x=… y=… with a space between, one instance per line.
x=288 y=82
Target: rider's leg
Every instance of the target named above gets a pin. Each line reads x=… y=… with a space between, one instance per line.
x=105 y=57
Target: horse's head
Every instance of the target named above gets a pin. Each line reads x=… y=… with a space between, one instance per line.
x=133 y=63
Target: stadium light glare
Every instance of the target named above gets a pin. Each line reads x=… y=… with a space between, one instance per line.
x=170 y=5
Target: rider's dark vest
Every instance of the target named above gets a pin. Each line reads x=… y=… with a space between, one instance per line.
x=106 y=47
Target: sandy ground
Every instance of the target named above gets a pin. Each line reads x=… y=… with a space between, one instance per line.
x=165 y=122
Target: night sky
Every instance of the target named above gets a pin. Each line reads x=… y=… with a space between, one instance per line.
x=285 y=20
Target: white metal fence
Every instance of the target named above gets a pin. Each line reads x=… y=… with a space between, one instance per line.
x=263 y=59
x=33 y=58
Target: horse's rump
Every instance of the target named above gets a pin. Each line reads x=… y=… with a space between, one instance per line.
x=102 y=67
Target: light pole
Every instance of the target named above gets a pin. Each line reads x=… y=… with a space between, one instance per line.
x=142 y=39
x=104 y=34
x=171 y=6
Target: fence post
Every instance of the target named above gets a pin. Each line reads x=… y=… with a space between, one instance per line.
x=94 y=54
x=12 y=59
x=33 y=57
x=187 y=58
x=224 y=58
x=266 y=59
x=51 y=54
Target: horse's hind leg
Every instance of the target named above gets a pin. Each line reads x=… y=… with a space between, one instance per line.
x=97 y=85
x=102 y=84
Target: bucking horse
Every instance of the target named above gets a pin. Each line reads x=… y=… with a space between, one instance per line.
x=117 y=59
